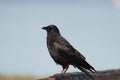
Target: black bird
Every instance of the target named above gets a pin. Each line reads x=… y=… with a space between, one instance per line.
x=64 y=54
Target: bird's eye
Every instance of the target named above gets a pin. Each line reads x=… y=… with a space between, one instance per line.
x=50 y=29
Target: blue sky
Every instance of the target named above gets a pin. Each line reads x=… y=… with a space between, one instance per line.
x=91 y=26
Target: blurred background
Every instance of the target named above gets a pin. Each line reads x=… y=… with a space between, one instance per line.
x=91 y=26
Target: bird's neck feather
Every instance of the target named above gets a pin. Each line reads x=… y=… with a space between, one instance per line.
x=53 y=36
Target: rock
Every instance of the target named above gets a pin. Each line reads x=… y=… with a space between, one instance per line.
x=100 y=75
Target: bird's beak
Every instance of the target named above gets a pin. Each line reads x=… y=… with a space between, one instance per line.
x=44 y=28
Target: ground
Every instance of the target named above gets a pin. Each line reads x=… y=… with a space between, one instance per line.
x=100 y=75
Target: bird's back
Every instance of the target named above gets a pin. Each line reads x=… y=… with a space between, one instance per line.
x=57 y=46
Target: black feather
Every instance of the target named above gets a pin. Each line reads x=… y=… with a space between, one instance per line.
x=63 y=53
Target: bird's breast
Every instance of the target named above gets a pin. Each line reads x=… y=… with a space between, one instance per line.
x=55 y=54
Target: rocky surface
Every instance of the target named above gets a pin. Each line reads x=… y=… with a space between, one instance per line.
x=100 y=75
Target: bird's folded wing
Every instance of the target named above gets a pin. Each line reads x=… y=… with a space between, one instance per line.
x=64 y=45
x=69 y=54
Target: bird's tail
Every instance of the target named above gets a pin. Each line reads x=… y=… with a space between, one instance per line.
x=86 y=72
x=84 y=66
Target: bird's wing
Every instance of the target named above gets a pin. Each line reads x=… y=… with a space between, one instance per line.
x=68 y=52
x=63 y=44
x=79 y=54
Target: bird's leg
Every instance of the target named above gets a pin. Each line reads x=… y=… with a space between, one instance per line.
x=64 y=69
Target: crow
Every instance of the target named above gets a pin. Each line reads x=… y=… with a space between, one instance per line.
x=64 y=54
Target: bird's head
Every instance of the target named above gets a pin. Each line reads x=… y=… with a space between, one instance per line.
x=51 y=29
